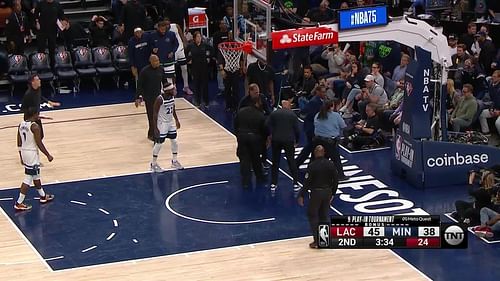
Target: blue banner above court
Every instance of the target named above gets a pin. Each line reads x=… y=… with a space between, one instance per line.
x=363 y=17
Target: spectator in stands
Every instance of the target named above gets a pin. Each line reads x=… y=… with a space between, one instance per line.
x=133 y=15
x=46 y=14
x=474 y=75
x=335 y=57
x=138 y=51
x=463 y=114
x=453 y=96
x=376 y=72
x=468 y=38
x=493 y=9
x=17 y=30
x=119 y=37
x=487 y=53
x=373 y=93
x=100 y=31
x=307 y=83
x=458 y=61
x=73 y=34
x=452 y=43
x=494 y=111
x=321 y=14
x=400 y=70
x=354 y=80
x=468 y=212
x=177 y=12
x=397 y=96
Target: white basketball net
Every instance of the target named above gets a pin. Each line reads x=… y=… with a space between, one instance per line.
x=231 y=51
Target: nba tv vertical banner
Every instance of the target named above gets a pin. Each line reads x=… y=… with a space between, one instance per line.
x=417 y=112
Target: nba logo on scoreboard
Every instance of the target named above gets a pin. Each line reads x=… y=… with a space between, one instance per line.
x=453 y=236
x=323 y=236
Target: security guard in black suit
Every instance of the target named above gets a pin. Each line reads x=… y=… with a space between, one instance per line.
x=251 y=131
x=322 y=180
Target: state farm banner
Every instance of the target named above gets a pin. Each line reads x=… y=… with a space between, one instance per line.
x=292 y=38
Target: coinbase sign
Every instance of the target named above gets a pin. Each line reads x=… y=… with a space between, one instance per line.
x=362 y=17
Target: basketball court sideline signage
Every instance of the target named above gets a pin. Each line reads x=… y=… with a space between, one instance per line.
x=292 y=38
x=362 y=17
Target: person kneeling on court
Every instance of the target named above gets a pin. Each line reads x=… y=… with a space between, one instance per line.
x=321 y=180
x=164 y=116
x=29 y=141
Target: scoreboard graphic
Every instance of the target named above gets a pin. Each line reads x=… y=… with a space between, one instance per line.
x=391 y=232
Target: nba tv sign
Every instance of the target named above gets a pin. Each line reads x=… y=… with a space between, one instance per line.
x=302 y=37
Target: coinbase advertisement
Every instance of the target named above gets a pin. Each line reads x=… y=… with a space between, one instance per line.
x=448 y=163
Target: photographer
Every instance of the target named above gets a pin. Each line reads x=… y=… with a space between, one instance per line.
x=335 y=57
x=363 y=133
x=494 y=111
x=468 y=212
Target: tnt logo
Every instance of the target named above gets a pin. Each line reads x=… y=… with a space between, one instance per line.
x=285 y=39
x=454 y=236
x=323 y=236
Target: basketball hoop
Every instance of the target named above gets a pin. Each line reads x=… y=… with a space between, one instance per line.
x=231 y=51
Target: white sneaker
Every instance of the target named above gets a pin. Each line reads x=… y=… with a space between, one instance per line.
x=273 y=187
x=155 y=168
x=177 y=165
x=347 y=115
x=343 y=109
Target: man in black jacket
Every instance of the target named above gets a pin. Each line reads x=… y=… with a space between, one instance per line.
x=322 y=180
x=284 y=126
x=251 y=131
x=47 y=13
x=17 y=30
x=148 y=89
x=133 y=15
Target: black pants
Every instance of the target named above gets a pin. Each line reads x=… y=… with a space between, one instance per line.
x=200 y=87
x=290 y=157
x=331 y=152
x=304 y=154
x=149 y=112
x=248 y=151
x=232 y=90
x=466 y=210
x=42 y=40
x=319 y=209
x=39 y=122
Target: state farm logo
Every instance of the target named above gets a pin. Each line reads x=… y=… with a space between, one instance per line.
x=285 y=39
x=293 y=38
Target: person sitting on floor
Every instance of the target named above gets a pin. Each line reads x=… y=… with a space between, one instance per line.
x=490 y=223
x=364 y=132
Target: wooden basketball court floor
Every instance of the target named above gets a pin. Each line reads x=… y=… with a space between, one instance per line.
x=104 y=141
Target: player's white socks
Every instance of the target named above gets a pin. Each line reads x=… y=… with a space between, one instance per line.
x=21 y=198
x=184 y=69
x=175 y=148
x=41 y=192
x=156 y=151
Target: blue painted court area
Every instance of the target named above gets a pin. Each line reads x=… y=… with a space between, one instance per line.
x=123 y=218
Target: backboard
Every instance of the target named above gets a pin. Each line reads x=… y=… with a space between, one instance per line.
x=253 y=23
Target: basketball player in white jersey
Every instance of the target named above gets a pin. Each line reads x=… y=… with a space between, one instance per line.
x=29 y=141
x=166 y=124
x=180 y=56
